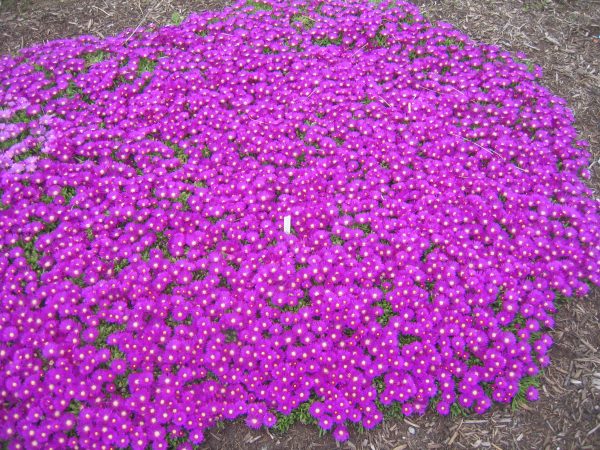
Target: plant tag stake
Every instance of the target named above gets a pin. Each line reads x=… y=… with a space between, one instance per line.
x=287 y=224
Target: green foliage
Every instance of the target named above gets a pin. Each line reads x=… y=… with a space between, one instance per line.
x=429 y=285
x=171 y=322
x=300 y=134
x=169 y=288
x=73 y=91
x=119 y=264
x=520 y=397
x=388 y=312
x=306 y=21
x=409 y=19
x=115 y=353
x=199 y=275
x=75 y=407
x=349 y=332
x=497 y=304
x=176 y=18
x=379 y=384
x=561 y=300
x=48 y=73
x=3 y=207
x=32 y=256
x=35 y=151
x=46 y=199
x=336 y=240
x=105 y=329
x=474 y=361
x=175 y=442
x=10 y=142
x=183 y=199
x=365 y=227
x=206 y=153
x=458 y=411
x=215 y=219
x=145 y=65
x=258 y=6
x=426 y=253
x=78 y=281
x=390 y=3
x=565 y=221
x=162 y=243
x=68 y=192
x=48 y=226
x=300 y=414
x=381 y=40
x=248 y=155
x=230 y=335
x=448 y=42
x=326 y=41
x=519 y=321
x=145 y=253
x=20 y=117
x=300 y=159
x=122 y=385
x=302 y=302
x=393 y=411
x=223 y=282
x=405 y=339
x=96 y=57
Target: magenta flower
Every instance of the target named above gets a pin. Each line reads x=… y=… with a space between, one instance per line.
x=149 y=290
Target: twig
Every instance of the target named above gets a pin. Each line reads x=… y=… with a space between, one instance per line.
x=100 y=9
x=457 y=90
x=384 y=101
x=309 y=95
x=259 y=121
x=411 y=423
x=593 y=429
x=142 y=21
x=492 y=152
x=358 y=51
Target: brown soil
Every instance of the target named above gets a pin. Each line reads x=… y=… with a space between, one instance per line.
x=562 y=36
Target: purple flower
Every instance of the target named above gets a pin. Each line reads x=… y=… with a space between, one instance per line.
x=149 y=289
x=341 y=433
x=532 y=394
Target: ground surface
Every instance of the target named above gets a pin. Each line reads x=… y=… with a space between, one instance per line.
x=560 y=35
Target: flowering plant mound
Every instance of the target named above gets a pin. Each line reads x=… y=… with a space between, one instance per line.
x=149 y=290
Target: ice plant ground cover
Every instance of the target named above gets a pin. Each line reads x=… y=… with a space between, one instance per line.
x=148 y=289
